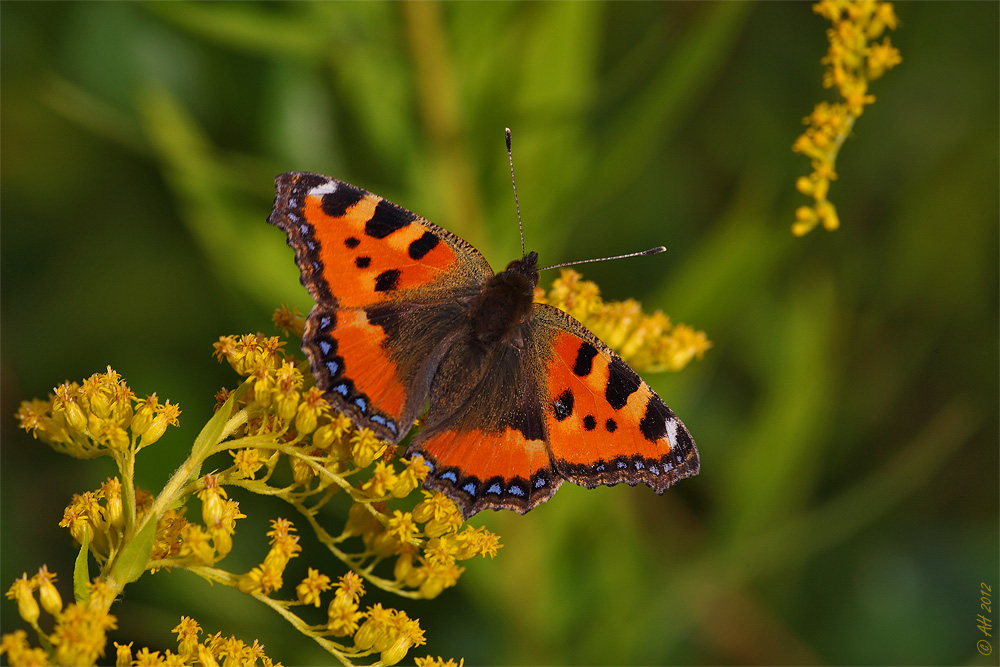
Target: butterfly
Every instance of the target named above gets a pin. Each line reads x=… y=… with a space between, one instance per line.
x=519 y=396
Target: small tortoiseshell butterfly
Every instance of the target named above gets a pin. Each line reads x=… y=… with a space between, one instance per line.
x=521 y=395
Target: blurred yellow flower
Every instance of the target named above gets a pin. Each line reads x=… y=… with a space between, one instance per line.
x=853 y=61
x=647 y=342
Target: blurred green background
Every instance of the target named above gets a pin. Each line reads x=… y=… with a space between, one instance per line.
x=847 y=415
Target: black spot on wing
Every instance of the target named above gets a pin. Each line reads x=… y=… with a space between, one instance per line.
x=387 y=280
x=362 y=262
x=622 y=383
x=352 y=242
x=589 y=422
x=387 y=219
x=563 y=406
x=528 y=420
x=584 y=360
x=336 y=203
x=654 y=422
x=423 y=245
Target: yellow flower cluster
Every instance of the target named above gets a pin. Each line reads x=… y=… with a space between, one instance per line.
x=648 y=342
x=431 y=661
x=389 y=632
x=275 y=426
x=853 y=60
x=97 y=516
x=94 y=419
x=334 y=454
x=267 y=576
x=79 y=634
x=214 y=650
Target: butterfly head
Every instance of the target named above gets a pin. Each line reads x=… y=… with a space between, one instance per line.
x=526 y=266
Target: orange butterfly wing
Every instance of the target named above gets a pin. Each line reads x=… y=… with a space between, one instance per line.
x=564 y=407
x=604 y=424
x=370 y=266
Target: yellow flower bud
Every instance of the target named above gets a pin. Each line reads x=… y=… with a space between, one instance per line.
x=288 y=405
x=142 y=420
x=117 y=438
x=397 y=651
x=155 y=431
x=302 y=472
x=49 y=595
x=79 y=528
x=115 y=515
x=263 y=391
x=400 y=486
x=342 y=616
x=424 y=511
x=75 y=418
x=23 y=592
x=94 y=423
x=323 y=436
x=376 y=633
x=122 y=412
x=222 y=540
x=305 y=419
x=250 y=582
x=438 y=527
x=365 y=446
x=100 y=405
x=404 y=565
x=123 y=655
x=385 y=545
x=415 y=577
x=205 y=657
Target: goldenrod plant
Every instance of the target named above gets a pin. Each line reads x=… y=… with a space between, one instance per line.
x=853 y=61
x=275 y=417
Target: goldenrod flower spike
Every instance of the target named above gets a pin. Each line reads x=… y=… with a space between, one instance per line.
x=853 y=61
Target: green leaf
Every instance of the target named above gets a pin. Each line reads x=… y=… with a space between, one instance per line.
x=132 y=561
x=81 y=571
x=251 y=28
x=212 y=433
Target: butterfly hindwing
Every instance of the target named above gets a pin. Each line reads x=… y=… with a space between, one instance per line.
x=564 y=407
x=489 y=469
x=604 y=424
x=375 y=270
x=486 y=445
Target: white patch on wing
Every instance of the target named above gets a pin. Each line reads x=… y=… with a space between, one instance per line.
x=325 y=189
x=672 y=432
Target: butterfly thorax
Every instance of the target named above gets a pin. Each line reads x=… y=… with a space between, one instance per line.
x=504 y=303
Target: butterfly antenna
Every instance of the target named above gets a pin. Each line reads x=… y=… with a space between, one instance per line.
x=510 y=158
x=651 y=251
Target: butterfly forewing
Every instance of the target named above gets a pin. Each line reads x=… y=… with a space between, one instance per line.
x=370 y=264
